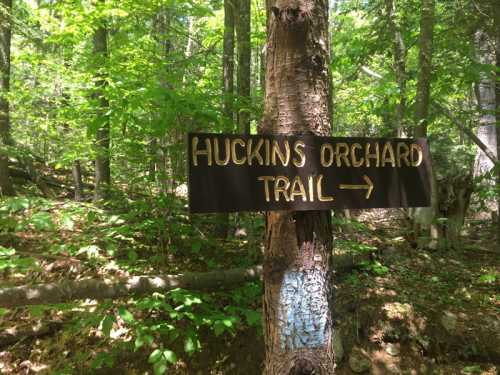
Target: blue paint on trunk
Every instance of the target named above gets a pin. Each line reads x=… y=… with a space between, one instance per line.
x=303 y=310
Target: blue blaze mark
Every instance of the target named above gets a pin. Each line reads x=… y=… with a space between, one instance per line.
x=303 y=310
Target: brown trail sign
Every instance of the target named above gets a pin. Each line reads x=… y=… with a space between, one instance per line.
x=263 y=172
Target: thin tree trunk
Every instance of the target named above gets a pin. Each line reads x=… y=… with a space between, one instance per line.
x=297 y=258
x=102 y=141
x=496 y=5
x=486 y=132
x=163 y=175
x=77 y=180
x=222 y=219
x=425 y=218
x=6 y=187
x=399 y=52
x=228 y=63
x=424 y=67
x=244 y=62
x=70 y=290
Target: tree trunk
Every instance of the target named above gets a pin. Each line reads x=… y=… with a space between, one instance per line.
x=77 y=180
x=102 y=141
x=496 y=5
x=424 y=67
x=67 y=291
x=485 y=92
x=70 y=290
x=297 y=258
x=222 y=219
x=6 y=187
x=244 y=60
x=399 y=52
x=425 y=218
x=228 y=63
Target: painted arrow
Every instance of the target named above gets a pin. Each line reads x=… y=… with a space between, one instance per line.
x=368 y=186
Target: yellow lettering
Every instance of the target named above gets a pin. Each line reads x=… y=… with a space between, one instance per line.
x=321 y=197
x=281 y=185
x=420 y=154
x=301 y=191
x=267 y=144
x=237 y=141
x=388 y=158
x=207 y=151
x=342 y=154
x=356 y=162
x=266 y=180
x=372 y=156
x=284 y=157
x=298 y=147
x=310 y=182
x=255 y=153
x=324 y=161
x=227 y=152
x=403 y=155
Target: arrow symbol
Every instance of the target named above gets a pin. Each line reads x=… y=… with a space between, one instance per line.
x=368 y=186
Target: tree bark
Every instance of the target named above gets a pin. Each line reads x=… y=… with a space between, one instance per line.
x=424 y=67
x=102 y=141
x=297 y=258
x=15 y=334
x=399 y=52
x=222 y=219
x=228 y=64
x=424 y=218
x=496 y=11
x=486 y=132
x=244 y=62
x=76 y=171
x=71 y=290
x=6 y=187
x=67 y=291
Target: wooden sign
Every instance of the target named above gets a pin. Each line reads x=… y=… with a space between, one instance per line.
x=230 y=173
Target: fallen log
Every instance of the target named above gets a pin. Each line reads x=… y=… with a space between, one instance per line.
x=70 y=290
x=136 y=285
x=15 y=334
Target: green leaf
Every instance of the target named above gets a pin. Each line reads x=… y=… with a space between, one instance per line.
x=155 y=356
x=107 y=324
x=6 y=252
x=170 y=356
x=253 y=317
x=488 y=278
x=160 y=367
x=42 y=221
x=126 y=315
x=190 y=344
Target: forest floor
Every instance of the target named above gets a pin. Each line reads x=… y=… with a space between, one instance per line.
x=401 y=310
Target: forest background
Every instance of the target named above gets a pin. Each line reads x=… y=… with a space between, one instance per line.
x=96 y=100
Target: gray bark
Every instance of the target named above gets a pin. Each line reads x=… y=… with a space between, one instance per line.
x=222 y=219
x=424 y=218
x=71 y=290
x=244 y=62
x=486 y=132
x=298 y=245
x=66 y=291
x=102 y=141
x=76 y=172
x=424 y=67
x=6 y=187
x=399 y=53
x=496 y=7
